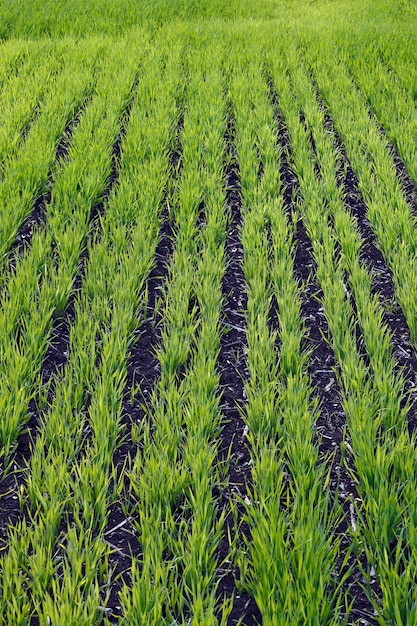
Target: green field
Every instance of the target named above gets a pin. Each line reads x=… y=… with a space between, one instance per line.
x=208 y=312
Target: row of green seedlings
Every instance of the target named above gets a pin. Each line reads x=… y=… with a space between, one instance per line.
x=174 y=579
x=13 y=57
x=25 y=174
x=372 y=388
x=22 y=95
x=392 y=103
x=56 y=563
x=37 y=290
x=290 y=560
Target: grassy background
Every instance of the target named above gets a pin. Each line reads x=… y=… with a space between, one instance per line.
x=53 y=18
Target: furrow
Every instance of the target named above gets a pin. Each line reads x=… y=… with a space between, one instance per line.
x=322 y=366
x=234 y=374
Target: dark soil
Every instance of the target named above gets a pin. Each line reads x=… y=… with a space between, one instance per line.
x=233 y=374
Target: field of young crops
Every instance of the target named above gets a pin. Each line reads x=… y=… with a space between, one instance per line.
x=208 y=313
